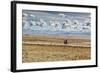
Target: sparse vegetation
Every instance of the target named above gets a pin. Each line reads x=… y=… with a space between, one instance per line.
x=43 y=53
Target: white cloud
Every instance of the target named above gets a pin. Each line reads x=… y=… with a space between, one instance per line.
x=32 y=15
x=62 y=15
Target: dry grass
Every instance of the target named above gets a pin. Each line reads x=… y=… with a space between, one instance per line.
x=43 y=53
x=57 y=39
x=39 y=53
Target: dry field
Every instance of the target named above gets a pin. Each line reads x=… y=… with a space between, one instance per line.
x=43 y=53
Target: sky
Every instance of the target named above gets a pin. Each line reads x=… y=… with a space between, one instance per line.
x=55 y=22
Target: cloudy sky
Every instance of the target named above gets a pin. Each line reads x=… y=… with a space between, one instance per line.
x=55 y=21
